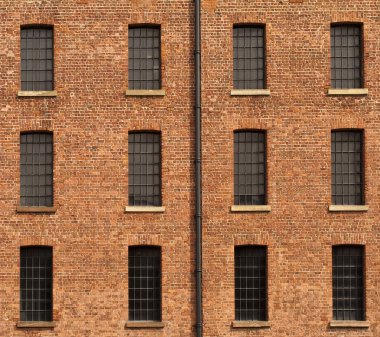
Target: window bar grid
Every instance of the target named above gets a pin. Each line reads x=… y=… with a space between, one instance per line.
x=348 y=283
x=347 y=167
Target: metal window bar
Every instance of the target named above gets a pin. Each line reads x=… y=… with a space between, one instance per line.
x=348 y=283
x=249 y=57
x=249 y=168
x=144 y=58
x=144 y=179
x=36 y=168
x=347 y=167
x=36 y=303
x=37 y=61
x=346 y=56
x=250 y=283
x=144 y=277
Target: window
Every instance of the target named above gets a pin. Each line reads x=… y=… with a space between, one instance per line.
x=249 y=166
x=144 y=152
x=36 y=169
x=36 y=284
x=346 y=56
x=144 y=52
x=348 y=283
x=249 y=57
x=144 y=279
x=251 y=283
x=347 y=167
x=37 y=59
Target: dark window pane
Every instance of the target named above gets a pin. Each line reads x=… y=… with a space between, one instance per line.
x=144 y=279
x=36 y=58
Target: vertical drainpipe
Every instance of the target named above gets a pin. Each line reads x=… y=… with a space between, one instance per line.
x=198 y=172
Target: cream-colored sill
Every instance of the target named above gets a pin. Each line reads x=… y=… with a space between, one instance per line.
x=52 y=93
x=250 y=324
x=349 y=324
x=158 y=92
x=35 y=209
x=250 y=92
x=144 y=324
x=24 y=324
x=358 y=91
x=251 y=208
x=144 y=209
x=348 y=208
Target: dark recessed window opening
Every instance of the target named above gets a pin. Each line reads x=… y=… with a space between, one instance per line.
x=347 y=167
x=36 y=283
x=251 y=283
x=346 y=56
x=144 y=283
x=37 y=63
x=348 y=283
x=249 y=57
x=249 y=168
x=144 y=57
x=36 y=161
x=144 y=179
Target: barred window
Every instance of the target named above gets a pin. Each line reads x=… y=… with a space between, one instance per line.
x=144 y=57
x=250 y=168
x=144 y=151
x=249 y=57
x=36 y=160
x=346 y=56
x=251 y=283
x=347 y=167
x=144 y=283
x=36 y=283
x=348 y=283
x=37 y=59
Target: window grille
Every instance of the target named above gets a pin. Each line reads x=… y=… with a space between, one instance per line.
x=250 y=283
x=249 y=57
x=144 y=283
x=348 y=283
x=37 y=59
x=144 y=151
x=144 y=58
x=36 y=284
x=346 y=56
x=36 y=155
x=347 y=167
x=250 y=168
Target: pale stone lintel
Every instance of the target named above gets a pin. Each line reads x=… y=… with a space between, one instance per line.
x=348 y=208
x=37 y=93
x=250 y=324
x=36 y=209
x=144 y=325
x=349 y=324
x=250 y=208
x=357 y=91
x=144 y=209
x=22 y=324
x=250 y=92
x=158 y=92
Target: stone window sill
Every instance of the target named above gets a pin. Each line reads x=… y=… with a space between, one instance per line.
x=35 y=209
x=159 y=92
x=349 y=324
x=343 y=92
x=23 y=324
x=250 y=92
x=144 y=325
x=348 y=208
x=144 y=209
x=250 y=208
x=251 y=324
x=37 y=93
